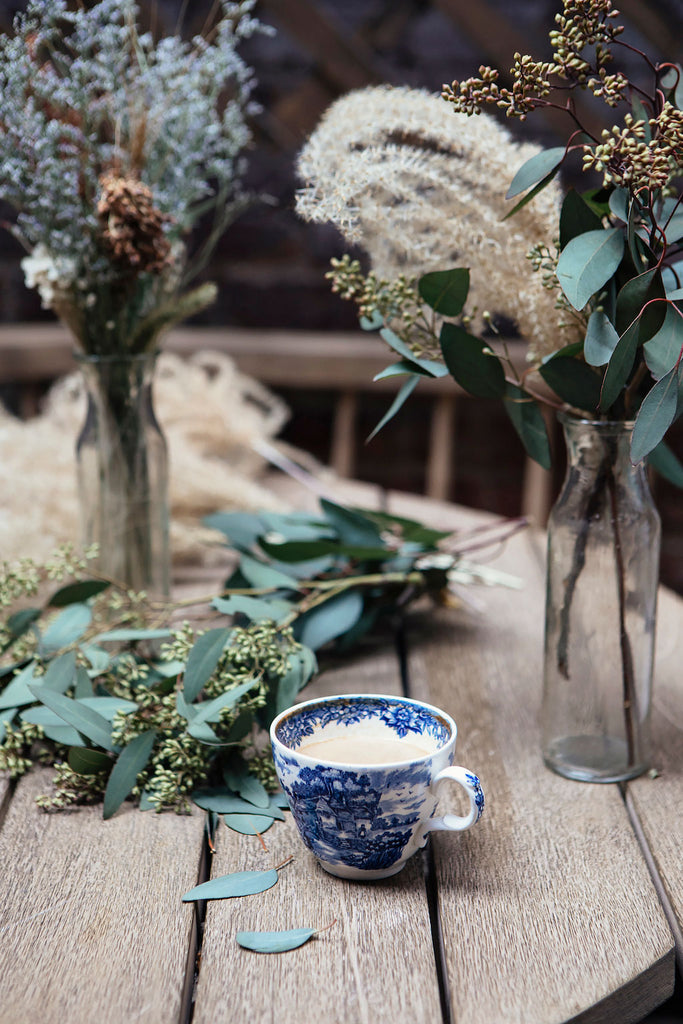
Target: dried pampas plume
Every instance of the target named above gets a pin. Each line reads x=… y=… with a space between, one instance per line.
x=422 y=188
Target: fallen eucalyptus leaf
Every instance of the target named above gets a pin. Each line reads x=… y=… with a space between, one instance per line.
x=275 y=942
x=239 y=883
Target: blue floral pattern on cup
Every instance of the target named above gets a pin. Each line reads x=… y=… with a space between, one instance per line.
x=402 y=718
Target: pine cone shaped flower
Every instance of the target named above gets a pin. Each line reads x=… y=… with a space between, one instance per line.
x=132 y=226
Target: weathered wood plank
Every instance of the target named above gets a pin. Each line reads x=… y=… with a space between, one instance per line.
x=657 y=803
x=91 y=919
x=550 y=887
x=374 y=966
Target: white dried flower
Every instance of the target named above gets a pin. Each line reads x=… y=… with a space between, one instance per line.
x=421 y=188
x=50 y=275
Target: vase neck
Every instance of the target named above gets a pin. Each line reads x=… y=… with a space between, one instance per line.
x=591 y=443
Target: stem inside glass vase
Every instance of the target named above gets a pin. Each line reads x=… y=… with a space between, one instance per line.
x=123 y=473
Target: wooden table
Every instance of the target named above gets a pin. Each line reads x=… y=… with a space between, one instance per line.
x=564 y=903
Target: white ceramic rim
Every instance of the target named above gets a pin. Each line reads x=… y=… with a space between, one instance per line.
x=361 y=765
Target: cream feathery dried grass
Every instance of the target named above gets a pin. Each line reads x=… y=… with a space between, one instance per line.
x=421 y=188
x=210 y=414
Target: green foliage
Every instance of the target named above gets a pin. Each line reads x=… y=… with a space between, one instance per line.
x=124 y=708
x=619 y=264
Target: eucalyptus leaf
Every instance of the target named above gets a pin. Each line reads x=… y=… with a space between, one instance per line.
x=61 y=672
x=224 y=801
x=203 y=732
x=663 y=350
x=64 y=734
x=325 y=622
x=427 y=366
x=471 y=363
x=601 y=339
x=527 y=419
x=619 y=367
x=632 y=300
x=351 y=525
x=84 y=761
x=18 y=692
x=372 y=322
x=404 y=393
x=99 y=659
x=619 y=204
x=108 y=707
x=445 y=291
x=74 y=593
x=66 y=629
x=239 y=883
x=535 y=170
x=202 y=660
x=21 y=621
x=254 y=608
x=83 y=684
x=573 y=381
x=210 y=710
x=83 y=719
x=667 y=464
x=275 y=942
x=656 y=414
x=405 y=367
x=260 y=575
x=576 y=218
x=241 y=528
x=587 y=262
x=249 y=824
x=132 y=760
x=531 y=194
x=253 y=791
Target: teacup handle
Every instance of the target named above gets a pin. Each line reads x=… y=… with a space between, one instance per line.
x=470 y=783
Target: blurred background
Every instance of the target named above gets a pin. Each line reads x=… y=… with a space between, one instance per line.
x=270 y=267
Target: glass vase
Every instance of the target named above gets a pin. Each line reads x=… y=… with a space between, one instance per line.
x=123 y=474
x=603 y=570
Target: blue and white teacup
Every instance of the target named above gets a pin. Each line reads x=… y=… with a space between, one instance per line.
x=361 y=772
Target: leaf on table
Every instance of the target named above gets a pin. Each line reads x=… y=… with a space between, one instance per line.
x=84 y=761
x=18 y=692
x=238 y=883
x=275 y=942
x=68 y=627
x=327 y=621
x=131 y=761
x=77 y=593
x=252 y=824
x=86 y=721
x=203 y=658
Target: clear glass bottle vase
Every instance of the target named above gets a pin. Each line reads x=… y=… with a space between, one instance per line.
x=123 y=473
x=602 y=576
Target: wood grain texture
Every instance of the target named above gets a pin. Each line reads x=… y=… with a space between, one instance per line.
x=374 y=966
x=547 y=908
x=657 y=803
x=92 y=926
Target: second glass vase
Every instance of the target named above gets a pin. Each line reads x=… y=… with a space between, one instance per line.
x=603 y=571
